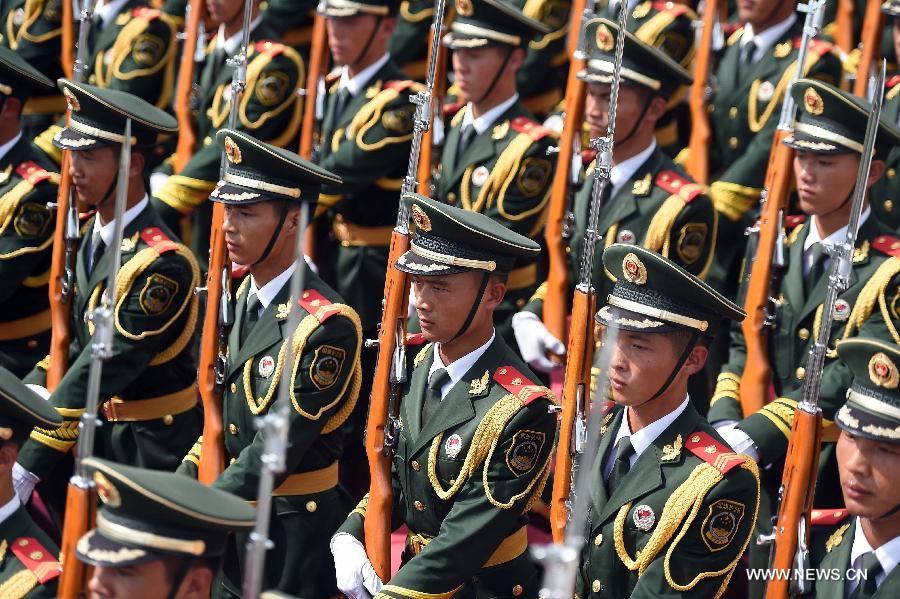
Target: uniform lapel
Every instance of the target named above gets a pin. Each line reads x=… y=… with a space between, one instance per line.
x=598 y=491
x=624 y=204
x=267 y=330
x=482 y=148
x=838 y=557
x=793 y=279
x=890 y=587
x=234 y=335
x=415 y=396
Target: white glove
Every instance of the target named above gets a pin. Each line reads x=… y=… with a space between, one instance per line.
x=311 y=264
x=23 y=482
x=535 y=341
x=42 y=391
x=411 y=306
x=157 y=181
x=739 y=441
x=554 y=122
x=356 y=576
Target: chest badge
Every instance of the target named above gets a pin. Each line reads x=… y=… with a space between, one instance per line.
x=644 y=518
x=453 y=445
x=841 y=310
x=266 y=366
x=480 y=176
x=625 y=236
x=766 y=91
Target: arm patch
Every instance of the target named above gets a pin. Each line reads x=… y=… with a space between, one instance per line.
x=519 y=385
x=37 y=559
x=712 y=452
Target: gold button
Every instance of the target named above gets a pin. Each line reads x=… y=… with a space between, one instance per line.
x=233 y=388
x=891 y=173
x=596 y=586
x=418 y=505
x=168 y=420
x=233 y=429
x=598 y=540
x=517 y=590
x=415 y=465
x=888 y=205
x=232 y=461
x=311 y=506
x=801 y=373
x=710 y=108
x=92 y=79
x=520 y=303
x=733 y=143
x=733 y=112
x=207 y=140
x=451 y=198
x=803 y=334
x=568 y=250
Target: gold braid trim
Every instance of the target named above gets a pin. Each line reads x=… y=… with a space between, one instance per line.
x=10 y=200
x=370 y=115
x=874 y=291
x=659 y=233
x=193 y=456
x=61 y=439
x=44 y=364
x=254 y=70
x=33 y=11
x=183 y=193
x=540 y=293
x=817 y=323
x=539 y=489
x=18 y=585
x=781 y=414
x=423 y=353
x=122 y=49
x=756 y=123
x=728 y=384
x=731 y=199
x=411 y=593
x=362 y=506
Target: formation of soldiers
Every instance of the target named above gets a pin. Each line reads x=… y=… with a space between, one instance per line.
x=209 y=211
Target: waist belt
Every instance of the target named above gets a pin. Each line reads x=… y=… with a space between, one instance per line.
x=25 y=327
x=512 y=546
x=520 y=278
x=353 y=235
x=137 y=410
x=307 y=483
x=45 y=105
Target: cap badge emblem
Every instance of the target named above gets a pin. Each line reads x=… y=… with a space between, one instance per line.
x=883 y=372
x=464 y=8
x=107 y=493
x=634 y=270
x=421 y=219
x=232 y=151
x=813 y=102
x=71 y=100
x=605 y=39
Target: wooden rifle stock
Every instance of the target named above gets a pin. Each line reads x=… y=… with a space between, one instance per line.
x=67 y=51
x=426 y=158
x=60 y=311
x=577 y=380
x=870 y=40
x=187 y=136
x=80 y=501
x=843 y=20
x=378 y=513
x=318 y=62
x=698 y=157
x=757 y=370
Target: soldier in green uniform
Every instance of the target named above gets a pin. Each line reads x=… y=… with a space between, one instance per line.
x=495 y=155
x=886 y=193
x=475 y=435
x=828 y=139
x=262 y=190
x=652 y=202
x=28 y=564
x=865 y=549
x=673 y=508
x=147 y=395
x=270 y=110
x=27 y=183
x=158 y=534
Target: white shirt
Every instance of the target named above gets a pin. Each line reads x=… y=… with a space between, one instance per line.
x=642 y=439
x=233 y=43
x=9 y=508
x=358 y=81
x=487 y=119
x=620 y=174
x=5 y=148
x=835 y=238
x=888 y=555
x=767 y=38
x=106 y=231
x=107 y=11
x=268 y=291
x=459 y=367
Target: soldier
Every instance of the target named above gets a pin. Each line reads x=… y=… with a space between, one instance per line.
x=158 y=534
x=828 y=139
x=674 y=507
x=269 y=109
x=495 y=156
x=652 y=202
x=475 y=440
x=147 y=395
x=886 y=193
x=32 y=570
x=262 y=190
x=27 y=183
x=868 y=457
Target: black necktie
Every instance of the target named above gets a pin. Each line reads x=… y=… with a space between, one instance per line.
x=622 y=464
x=745 y=60
x=343 y=97
x=867 y=586
x=97 y=249
x=433 y=393
x=465 y=138
x=817 y=269
x=252 y=316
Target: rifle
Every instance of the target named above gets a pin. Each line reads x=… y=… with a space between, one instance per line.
x=427 y=160
x=560 y=218
x=67 y=38
x=274 y=428
x=766 y=261
x=217 y=319
x=81 y=503
x=573 y=430
x=870 y=40
x=382 y=427
x=843 y=19
x=312 y=108
x=186 y=89
x=798 y=483
x=701 y=92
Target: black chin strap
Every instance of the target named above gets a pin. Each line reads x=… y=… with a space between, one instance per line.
x=497 y=75
x=368 y=43
x=471 y=316
x=180 y=574
x=110 y=191
x=275 y=233
x=637 y=122
x=891 y=512
x=691 y=344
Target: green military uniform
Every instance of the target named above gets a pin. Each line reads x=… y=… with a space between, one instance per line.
x=27 y=183
x=147 y=394
x=270 y=109
x=408 y=45
x=309 y=504
x=293 y=20
x=675 y=520
x=465 y=475
x=503 y=172
x=867 y=307
x=28 y=557
x=886 y=192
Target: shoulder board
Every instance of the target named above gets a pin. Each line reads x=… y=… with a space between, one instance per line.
x=332 y=78
x=519 y=385
x=33 y=172
x=399 y=85
x=146 y=12
x=672 y=8
x=522 y=124
x=816 y=46
x=42 y=563
x=792 y=222
x=679 y=185
x=316 y=304
x=892 y=81
x=828 y=517
x=588 y=156
x=159 y=241
x=717 y=455
x=238 y=272
x=887 y=244
x=734 y=35
x=269 y=47
x=415 y=339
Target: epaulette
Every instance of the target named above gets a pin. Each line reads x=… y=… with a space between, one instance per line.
x=239 y=272
x=415 y=339
x=887 y=244
x=42 y=563
x=399 y=85
x=588 y=156
x=159 y=241
x=535 y=130
x=677 y=184
x=33 y=172
x=717 y=455
x=792 y=222
x=816 y=46
x=146 y=12
x=827 y=517
x=269 y=47
x=732 y=36
x=519 y=385
x=892 y=81
x=316 y=304
x=332 y=78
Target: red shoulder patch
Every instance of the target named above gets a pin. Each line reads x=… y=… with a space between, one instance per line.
x=519 y=385
x=792 y=222
x=42 y=563
x=400 y=85
x=816 y=46
x=315 y=303
x=716 y=454
x=672 y=8
x=522 y=124
x=892 y=81
x=677 y=184
x=32 y=172
x=269 y=47
x=887 y=244
x=146 y=12
x=415 y=339
x=588 y=156
x=239 y=272
x=159 y=241
x=827 y=517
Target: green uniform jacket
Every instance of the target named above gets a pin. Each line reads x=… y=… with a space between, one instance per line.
x=368 y=147
x=19 y=535
x=28 y=183
x=326 y=379
x=678 y=522
x=155 y=320
x=886 y=191
x=408 y=45
x=293 y=20
x=464 y=479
